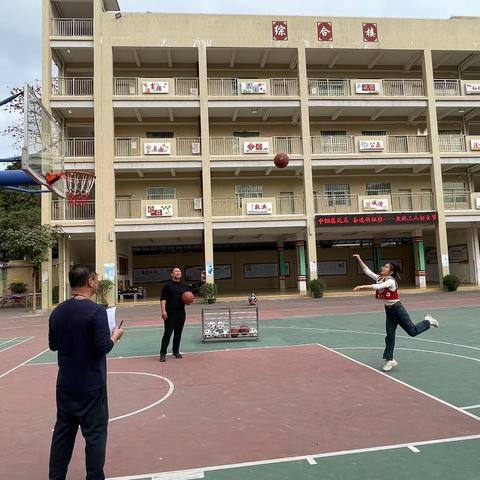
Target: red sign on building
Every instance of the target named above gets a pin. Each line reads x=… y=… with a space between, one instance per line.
x=370 y=32
x=325 y=31
x=279 y=30
x=420 y=218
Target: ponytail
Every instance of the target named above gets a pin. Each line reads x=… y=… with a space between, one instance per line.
x=395 y=269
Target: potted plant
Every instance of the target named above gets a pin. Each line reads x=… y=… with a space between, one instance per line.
x=451 y=282
x=18 y=287
x=209 y=292
x=317 y=287
x=104 y=287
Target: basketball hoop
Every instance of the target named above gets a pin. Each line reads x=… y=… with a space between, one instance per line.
x=77 y=185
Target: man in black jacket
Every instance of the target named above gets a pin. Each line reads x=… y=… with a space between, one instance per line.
x=79 y=332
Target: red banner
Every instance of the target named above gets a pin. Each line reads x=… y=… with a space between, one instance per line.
x=279 y=30
x=418 y=218
x=325 y=31
x=370 y=32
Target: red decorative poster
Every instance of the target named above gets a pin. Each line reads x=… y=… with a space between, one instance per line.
x=370 y=32
x=423 y=218
x=325 y=31
x=279 y=30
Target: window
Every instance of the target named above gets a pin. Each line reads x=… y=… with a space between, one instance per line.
x=333 y=133
x=337 y=194
x=374 y=133
x=162 y=193
x=160 y=134
x=378 y=189
x=246 y=134
x=450 y=132
x=247 y=191
x=454 y=192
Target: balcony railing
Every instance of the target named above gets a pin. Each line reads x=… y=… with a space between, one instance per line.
x=176 y=86
x=234 y=145
x=445 y=88
x=72 y=27
x=61 y=210
x=79 y=147
x=457 y=200
x=135 y=208
x=339 y=87
x=231 y=87
x=237 y=207
x=452 y=143
x=139 y=147
x=339 y=144
x=352 y=203
x=72 y=86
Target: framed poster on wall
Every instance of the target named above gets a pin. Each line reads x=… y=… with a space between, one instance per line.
x=456 y=254
x=332 y=268
x=264 y=270
x=221 y=272
x=151 y=274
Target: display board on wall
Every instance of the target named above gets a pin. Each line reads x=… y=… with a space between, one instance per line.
x=151 y=274
x=332 y=268
x=369 y=264
x=221 y=272
x=264 y=270
x=456 y=254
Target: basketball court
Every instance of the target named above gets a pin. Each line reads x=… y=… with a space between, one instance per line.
x=308 y=400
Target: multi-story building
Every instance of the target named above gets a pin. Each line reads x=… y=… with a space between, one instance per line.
x=180 y=117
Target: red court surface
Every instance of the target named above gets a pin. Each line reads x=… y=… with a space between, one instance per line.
x=225 y=408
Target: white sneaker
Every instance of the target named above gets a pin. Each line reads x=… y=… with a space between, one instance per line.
x=389 y=365
x=433 y=321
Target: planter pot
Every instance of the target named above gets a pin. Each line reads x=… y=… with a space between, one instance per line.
x=318 y=295
x=211 y=300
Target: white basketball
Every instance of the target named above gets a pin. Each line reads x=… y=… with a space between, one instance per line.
x=207 y=333
x=253 y=332
x=220 y=325
x=225 y=332
x=211 y=325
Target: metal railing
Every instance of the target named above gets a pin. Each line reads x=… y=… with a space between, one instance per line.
x=61 y=210
x=233 y=145
x=445 y=88
x=403 y=88
x=132 y=208
x=407 y=144
x=132 y=146
x=234 y=207
x=72 y=27
x=79 y=147
x=457 y=200
x=229 y=87
x=223 y=87
x=331 y=87
x=336 y=204
x=452 y=143
x=72 y=86
x=284 y=87
x=412 y=202
x=333 y=144
x=129 y=86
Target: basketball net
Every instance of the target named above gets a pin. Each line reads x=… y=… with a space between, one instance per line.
x=77 y=185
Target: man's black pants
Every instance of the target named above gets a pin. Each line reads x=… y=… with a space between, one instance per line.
x=173 y=324
x=89 y=411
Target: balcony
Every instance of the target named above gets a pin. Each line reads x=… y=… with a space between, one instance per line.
x=258 y=207
x=246 y=88
x=62 y=211
x=459 y=143
x=72 y=86
x=79 y=147
x=152 y=148
x=163 y=87
x=349 y=144
x=258 y=146
x=338 y=87
x=72 y=27
x=462 y=200
x=393 y=202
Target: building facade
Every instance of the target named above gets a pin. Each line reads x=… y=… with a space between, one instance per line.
x=180 y=117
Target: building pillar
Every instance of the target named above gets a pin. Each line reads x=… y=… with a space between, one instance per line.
x=476 y=253
x=419 y=258
x=302 y=269
x=62 y=269
x=377 y=256
x=282 y=267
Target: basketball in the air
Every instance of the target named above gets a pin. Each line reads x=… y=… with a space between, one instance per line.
x=281 y=160
x=187 y=298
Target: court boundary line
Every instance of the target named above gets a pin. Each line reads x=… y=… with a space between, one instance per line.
x=183 y=474
x=25 y=339
x=394 y=379
x=471 y=407
x=23 y=363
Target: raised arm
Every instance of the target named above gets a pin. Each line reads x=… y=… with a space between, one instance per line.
x=365 y=269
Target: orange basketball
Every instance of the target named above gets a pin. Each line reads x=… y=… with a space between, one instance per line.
x=234 y=332
x=281 y=160
x=243 y=330
x=187 y=298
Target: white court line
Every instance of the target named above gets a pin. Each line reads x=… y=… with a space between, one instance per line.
x=16 y=344
x=23 y=363
x=471 y=407
x=311 y=461
x=393 y=379
x=178 y=473
x=170 y=391
x=413 y=449
x=8 y=341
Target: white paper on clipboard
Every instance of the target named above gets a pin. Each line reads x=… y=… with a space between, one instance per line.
x=111 y=318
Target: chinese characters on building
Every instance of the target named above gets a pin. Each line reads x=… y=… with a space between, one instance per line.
x=325 y=31
x=279 y=30
x=424 y=218
x=370 y=32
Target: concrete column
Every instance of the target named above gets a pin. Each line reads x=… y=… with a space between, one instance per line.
x=62 y=269
x=419 y=258
x=282 y=267
x=206 y=177
x=302 y=269
x=105 y=238
x=307 y=165
x=377 y=256
x=476 y=253
x=436 y=169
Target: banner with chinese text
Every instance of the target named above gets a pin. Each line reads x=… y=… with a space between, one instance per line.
x=415 y=218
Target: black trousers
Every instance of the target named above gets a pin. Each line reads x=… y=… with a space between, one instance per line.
x=89 y=411
x=173 y=324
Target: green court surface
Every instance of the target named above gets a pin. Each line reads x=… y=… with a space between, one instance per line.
x=7 y=343
x=443 y=363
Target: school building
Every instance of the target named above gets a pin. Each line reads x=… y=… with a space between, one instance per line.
x=180 y=116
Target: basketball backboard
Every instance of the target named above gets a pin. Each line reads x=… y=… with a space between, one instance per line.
x=43 y=151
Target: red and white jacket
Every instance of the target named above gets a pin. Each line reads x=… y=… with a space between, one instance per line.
x=386 y=288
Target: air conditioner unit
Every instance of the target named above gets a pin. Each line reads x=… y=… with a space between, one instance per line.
x=194 y=91
x=197 y=203
x=313 y=91
x=196 y=148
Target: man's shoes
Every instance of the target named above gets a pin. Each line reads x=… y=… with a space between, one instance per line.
x=433 y=321
x=389 y=365
x=163 y=357
x=177 y=355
